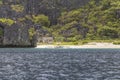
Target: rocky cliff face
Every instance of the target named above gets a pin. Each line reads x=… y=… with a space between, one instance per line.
x=16 y=26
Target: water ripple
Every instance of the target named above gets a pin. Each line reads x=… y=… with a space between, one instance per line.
x=59 y=64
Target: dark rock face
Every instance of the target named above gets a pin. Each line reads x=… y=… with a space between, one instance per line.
x=1 y=34
x=17 y=34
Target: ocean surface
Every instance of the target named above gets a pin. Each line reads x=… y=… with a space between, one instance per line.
x=59 y=64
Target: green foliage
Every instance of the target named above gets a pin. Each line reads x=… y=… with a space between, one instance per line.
x=7 y=21
x=1 y=31
x=1 y=2
x=59 y=39
x=84 y=42
x=107 y=33
x=41 y=19
x=22 y=19
x=17 y=8
x=66 y=43
x=96 y=20
x=116 y=42
x=31 y=33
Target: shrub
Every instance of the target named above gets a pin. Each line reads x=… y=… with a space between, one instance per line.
x=107 y=32
x=17 y=8
x=1 y=32
x=31 y=33
x=41 y=19
x=1 y=2
x=84 y=42
x=116 y=42
x=7 y=21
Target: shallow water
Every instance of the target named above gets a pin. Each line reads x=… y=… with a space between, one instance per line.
x=59 y=64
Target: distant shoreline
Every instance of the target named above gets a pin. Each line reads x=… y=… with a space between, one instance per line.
x=89 y=45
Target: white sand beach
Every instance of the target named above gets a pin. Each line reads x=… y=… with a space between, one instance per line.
x=89 y=45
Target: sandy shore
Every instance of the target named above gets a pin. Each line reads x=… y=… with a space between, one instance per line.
x=89 y=45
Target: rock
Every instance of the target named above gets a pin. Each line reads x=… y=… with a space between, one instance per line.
x=17 y=34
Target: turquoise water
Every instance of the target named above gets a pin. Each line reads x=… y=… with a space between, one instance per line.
x=59 y=64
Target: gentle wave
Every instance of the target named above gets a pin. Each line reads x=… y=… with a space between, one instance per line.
x=59 y=64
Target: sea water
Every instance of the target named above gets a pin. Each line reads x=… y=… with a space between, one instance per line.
x=59 y=64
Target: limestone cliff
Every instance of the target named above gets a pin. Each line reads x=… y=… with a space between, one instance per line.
x=16 y=18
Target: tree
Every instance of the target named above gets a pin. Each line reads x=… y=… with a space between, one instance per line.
x=42 y=20
x=107 y=32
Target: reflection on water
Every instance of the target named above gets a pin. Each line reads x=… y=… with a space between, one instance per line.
x=59 y=64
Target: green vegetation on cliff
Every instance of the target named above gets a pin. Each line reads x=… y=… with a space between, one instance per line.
x=7 y=21
x=64 y=20
x=98 y=20
x=17 y=8
x=41 y=19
